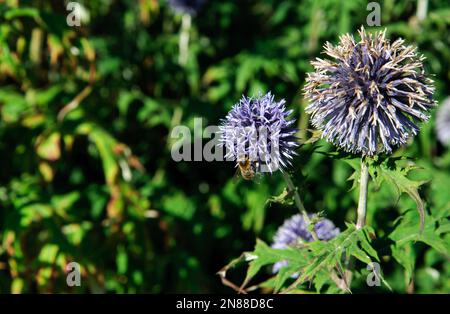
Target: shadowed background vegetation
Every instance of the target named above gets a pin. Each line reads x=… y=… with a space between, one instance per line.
x=85 y=120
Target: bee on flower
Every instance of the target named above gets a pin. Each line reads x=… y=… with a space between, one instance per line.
x=258 y=135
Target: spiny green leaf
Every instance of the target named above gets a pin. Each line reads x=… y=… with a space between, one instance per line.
x=406 y=232
x=405 y=256
x=267 y=256
x=284 y=198
x=359 y=254
x=396 y=175
x=364 y=242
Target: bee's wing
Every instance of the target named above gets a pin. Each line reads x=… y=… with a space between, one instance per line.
x=237 y=175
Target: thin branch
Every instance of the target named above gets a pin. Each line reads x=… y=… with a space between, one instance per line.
x=299 y=203
x=74 y=103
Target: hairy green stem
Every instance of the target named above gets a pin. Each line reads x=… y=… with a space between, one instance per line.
x=299 y=203
x=422 y=8
x=362 y=203
x=361 y=215
x=184 y=39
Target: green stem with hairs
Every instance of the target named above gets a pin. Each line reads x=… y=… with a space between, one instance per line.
x=361 y=213
x=362 y=203
x=422 y=9
x=184 y=39
x=299 y=203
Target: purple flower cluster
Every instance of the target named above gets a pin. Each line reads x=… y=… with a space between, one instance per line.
x=294 y=231
x=187 y=6
x=371 y=96
x=258 y=129
x=443 y=122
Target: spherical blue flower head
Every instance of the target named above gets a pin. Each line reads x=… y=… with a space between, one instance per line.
x=187 y=6
x=371 y=96
x=294 y=231
x=258 y=129
x=443 y=122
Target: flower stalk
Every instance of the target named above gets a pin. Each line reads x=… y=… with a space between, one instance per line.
x=362 y=203
x=299 y=203
x=361 y=216
x=184 y=39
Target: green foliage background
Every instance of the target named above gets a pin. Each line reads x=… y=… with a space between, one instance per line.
x=86 y=171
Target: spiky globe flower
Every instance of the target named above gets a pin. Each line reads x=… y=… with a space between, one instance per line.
x=294 y=231
x=371 y=96
x=258 y=129
x=443 y=122
x=187 y=6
